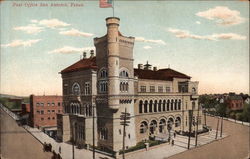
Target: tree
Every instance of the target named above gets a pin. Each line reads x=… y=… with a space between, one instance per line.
x=246 y=113
x=221 y=109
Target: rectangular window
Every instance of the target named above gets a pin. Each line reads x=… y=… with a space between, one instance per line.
x=37 y=104
x=38 y=112
x=143 y=88
x=53 y=118
x=168 y=89
x=59 y=104
x=48 y=118
x=53 y=104
x=48 y=104
x=41 y=104
x=48 y=111
x=160 y=89
x=42 y=112
x=42 y=118
x=53 y=111
x=152 y=88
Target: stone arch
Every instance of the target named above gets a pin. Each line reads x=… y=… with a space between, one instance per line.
x=103 y=73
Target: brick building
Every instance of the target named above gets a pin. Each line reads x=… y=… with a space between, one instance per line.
x=43 y=110
x=235 y=102
x=159 y=101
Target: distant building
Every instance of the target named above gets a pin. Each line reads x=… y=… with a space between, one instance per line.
x=235 y=102
x=25 y=108
x=43 y=110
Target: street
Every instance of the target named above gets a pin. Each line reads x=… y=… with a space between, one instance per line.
x=16 y=143
x=234 y=146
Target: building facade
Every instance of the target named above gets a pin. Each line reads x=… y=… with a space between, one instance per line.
x=43 y=110
x=104 y=86
x=235 y=102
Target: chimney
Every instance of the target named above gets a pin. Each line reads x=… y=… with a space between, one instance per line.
x=140 y=66
x=84 y=55
x=91 y=53
x=155 y=68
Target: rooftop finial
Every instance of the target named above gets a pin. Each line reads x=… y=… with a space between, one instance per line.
x=84 y=55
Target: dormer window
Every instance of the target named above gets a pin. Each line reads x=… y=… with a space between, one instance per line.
x=76 y=89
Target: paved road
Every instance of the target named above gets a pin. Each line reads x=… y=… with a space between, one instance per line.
x=235 y=146
x=16 y=143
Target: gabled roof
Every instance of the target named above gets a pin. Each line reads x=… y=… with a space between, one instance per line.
x=89 y=63
x=162 y=74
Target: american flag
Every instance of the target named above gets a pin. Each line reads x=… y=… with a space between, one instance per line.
x=105 y=3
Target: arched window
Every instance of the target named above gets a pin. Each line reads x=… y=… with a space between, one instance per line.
x=175 y=104
x=153 y=125
x=150 y=106
x=164 y=105
x=140 y=106
x=124 y=86
x=168 y=103
x=103 y=73
x=159 y=106
x=155 y=106
x=146 y=106
x=162 y=125
x=179 y=104
x=172 y=104
x=123 y=74
x=193 y=90
x=76 y=89
x=170 y=123
x=143 y=127
x=104 y=133
x=177 y=122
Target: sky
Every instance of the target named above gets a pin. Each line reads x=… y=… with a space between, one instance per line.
x=207 y=40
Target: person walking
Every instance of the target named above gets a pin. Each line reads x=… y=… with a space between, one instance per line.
x=60 y=149
x=173 y=142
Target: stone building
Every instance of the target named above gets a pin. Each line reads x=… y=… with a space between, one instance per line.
x=159 y=101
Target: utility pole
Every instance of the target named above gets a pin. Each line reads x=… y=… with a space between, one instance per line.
x=124 y=117
x=93 y=112
x=217 y=128
x=72 y=141
x=196 y=131
x=190 y=112
x=205 y=118
x=221 y=126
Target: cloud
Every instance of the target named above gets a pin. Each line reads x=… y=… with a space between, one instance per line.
x=222 y=15
x=17 y=43
x=74 y=32
x=34 y=21
x=229 y=36
x=142 y=39
x=70 y=50
x=223 y=36
x=147 y=47
x=53 y=23
x=198 y=22
x=30 y=29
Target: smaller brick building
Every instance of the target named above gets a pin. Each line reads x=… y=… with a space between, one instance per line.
x=235 y=102
x=44 y=110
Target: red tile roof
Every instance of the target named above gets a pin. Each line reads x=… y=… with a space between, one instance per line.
x=89 y=63
x=162 y=74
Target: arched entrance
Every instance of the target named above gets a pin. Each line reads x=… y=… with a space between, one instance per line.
x=153 y=125
x=162 y=126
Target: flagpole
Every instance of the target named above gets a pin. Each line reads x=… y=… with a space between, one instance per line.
x=113 y=7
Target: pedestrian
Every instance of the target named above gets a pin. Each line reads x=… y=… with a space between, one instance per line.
x=59 y=149
x=44 y=146
x=172 y=142
x=50 y=147
x=174 y=134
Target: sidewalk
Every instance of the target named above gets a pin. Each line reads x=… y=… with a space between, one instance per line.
x=66 y=149
x=180 y=145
